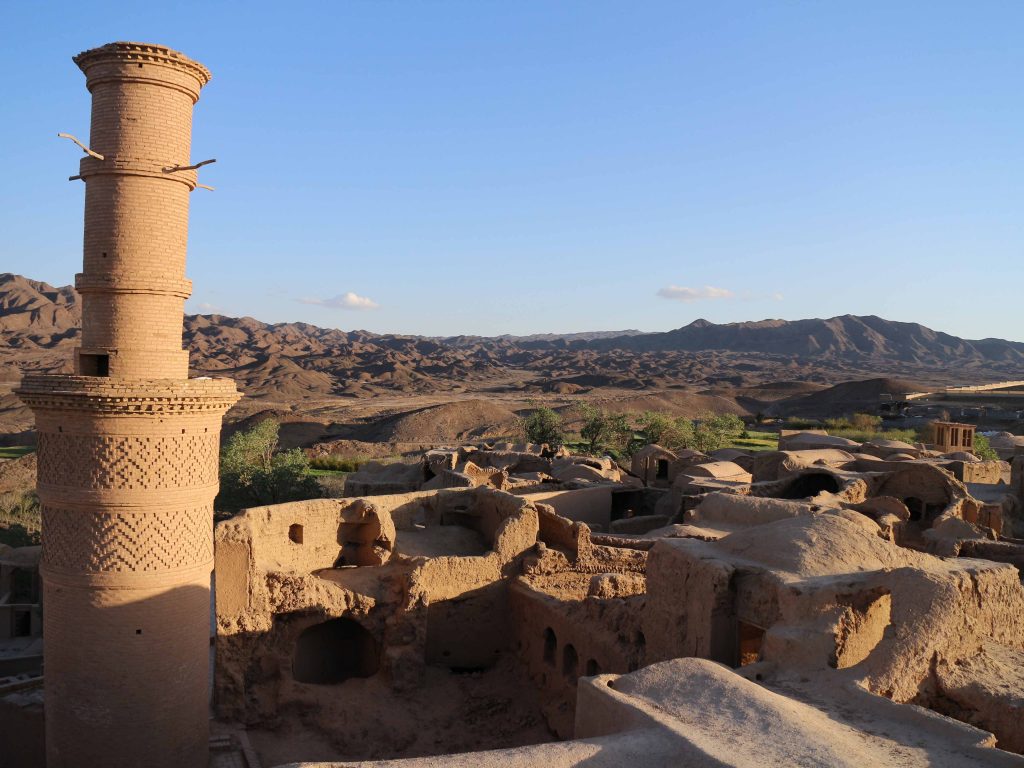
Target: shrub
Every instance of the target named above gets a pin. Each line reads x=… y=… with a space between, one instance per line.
x=983 y=449
x=799 y=422
x=254 y=472
x=866 y=422
x=543 y=425
x=20 y=523
x=336 y=463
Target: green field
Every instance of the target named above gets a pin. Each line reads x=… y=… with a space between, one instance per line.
x=328 y=472
x=15 y=451
x=756 y=441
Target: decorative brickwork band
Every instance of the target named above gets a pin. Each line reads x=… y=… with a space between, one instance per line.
x=128 y=462
x=127 y=542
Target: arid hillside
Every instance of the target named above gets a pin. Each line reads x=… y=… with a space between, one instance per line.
x=381 y=382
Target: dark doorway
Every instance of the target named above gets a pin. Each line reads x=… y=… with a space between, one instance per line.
x=629 y=503
x=750 y=639
x=916 y=508
x=335 y=651
x=662 y=473
x=809 y=485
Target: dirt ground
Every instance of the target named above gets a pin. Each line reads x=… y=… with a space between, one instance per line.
x=449 y=712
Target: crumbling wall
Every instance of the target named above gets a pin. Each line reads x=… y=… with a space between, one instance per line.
x=278 y=578
x=568 y=626
x=690 y=603
x=467 y=620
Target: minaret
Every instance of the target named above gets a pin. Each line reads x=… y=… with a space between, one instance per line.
x=128 y=445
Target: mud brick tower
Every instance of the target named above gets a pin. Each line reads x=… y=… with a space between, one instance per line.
x=128 y=445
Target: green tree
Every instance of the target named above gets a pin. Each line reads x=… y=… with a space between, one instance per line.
x=543 y=425
x=596 y=426
x=667 y=432
x=621 y=431
x=254 y=472
x=983 y=449
x=716 y=430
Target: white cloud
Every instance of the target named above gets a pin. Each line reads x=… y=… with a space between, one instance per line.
x=346 y=300
x=778 y=296
x=680 y=293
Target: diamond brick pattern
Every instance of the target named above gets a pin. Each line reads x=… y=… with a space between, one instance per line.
x=129 y=462
x=125 y=541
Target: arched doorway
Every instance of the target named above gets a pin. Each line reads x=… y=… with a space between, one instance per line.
x=334 y=651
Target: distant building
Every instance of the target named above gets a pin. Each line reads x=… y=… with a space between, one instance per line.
x=951 y=436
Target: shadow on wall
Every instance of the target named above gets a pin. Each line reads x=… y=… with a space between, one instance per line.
x=144 y=662
x=469 y=632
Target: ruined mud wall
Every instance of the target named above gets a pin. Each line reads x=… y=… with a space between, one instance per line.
x=572 y=625
x=277 y=583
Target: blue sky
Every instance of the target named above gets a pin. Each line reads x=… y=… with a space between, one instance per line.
x=443 y=167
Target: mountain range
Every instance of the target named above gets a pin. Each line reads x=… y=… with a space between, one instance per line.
x=294 y=361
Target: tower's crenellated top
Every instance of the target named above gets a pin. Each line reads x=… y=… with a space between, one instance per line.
x=142 y=62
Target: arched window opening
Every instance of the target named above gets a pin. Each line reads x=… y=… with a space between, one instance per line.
x=550 y=644
x=570 y=662
x=295 y=533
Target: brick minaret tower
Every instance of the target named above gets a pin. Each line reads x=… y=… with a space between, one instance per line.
x=128 y=445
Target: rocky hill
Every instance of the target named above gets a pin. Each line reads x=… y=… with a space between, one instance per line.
x=296 y=361
x=849 y=337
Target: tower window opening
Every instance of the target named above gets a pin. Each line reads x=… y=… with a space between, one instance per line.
x=295 y=533
x=94 y=365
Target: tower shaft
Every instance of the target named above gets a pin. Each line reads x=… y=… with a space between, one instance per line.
x=129 y=446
